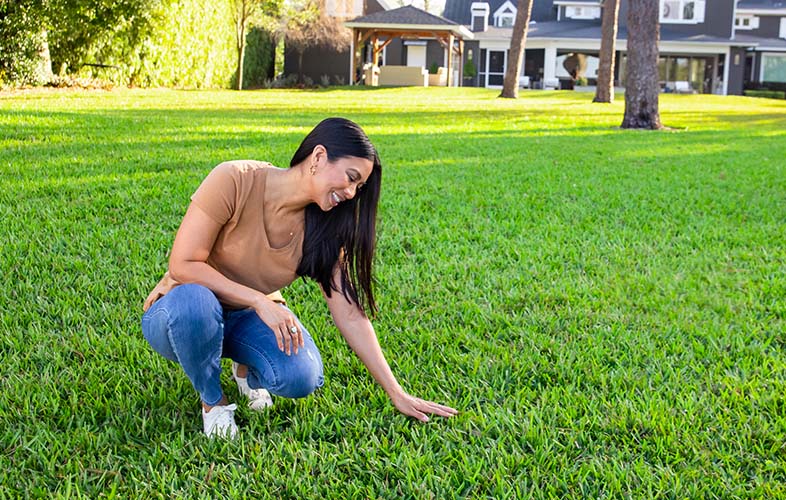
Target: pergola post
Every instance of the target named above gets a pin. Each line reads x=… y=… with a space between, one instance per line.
x=450 y=58
x=461 y=62
x=375 y=50
x=352 y=59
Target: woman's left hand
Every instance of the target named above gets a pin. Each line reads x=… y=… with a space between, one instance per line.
x=420 y=408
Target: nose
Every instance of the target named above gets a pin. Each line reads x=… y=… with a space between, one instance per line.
x=350 y=191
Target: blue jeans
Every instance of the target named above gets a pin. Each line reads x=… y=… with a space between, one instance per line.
x=189 y=326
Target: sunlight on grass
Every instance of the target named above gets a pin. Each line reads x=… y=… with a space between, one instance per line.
x=604 y=306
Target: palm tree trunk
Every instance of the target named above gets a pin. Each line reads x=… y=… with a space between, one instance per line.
x=604 y=90
x=641 y=81
x=510 y=85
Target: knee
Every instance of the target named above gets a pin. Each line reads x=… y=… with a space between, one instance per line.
x=198 y=309
x=302 y=376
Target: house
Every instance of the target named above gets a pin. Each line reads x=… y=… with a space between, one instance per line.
x=706 y=46
x=762 y=25
x=721 y=50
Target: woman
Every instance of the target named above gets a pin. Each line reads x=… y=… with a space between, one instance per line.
x=252 y=229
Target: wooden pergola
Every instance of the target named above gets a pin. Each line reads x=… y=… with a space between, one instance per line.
x=407 y=23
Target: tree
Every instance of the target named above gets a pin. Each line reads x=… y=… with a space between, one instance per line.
x=604 y=90
x=510 y=86
x=641 y=80
x=310 y=27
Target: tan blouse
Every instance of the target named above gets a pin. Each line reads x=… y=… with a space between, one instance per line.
x=233 y=195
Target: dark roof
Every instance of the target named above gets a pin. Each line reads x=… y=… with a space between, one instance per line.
x=404 y=15
x=755 y=42
x=762 y=4
x=590 y=30
x=461 y=10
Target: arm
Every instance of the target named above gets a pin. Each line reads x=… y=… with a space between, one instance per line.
x=359 y=333
x=188 y=264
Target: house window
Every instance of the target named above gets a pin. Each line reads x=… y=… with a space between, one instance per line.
x=505 y=15
x=682 y=11
x=782 y=33
x=583 y=12
x=743 y=22
x=773 y=67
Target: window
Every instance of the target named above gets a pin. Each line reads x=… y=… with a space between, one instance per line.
x=744 y=22
x=682 y=11
x=583 y=12
x=782 y=33
x=773 y=67
x=505 y=15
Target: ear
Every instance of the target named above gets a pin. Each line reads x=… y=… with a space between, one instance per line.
x=319 y=154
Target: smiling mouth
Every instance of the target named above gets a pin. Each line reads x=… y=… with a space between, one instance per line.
x=335 y=198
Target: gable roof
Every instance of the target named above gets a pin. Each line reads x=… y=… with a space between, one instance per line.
x=461 y=12
x=409 y=19
x=405 y=15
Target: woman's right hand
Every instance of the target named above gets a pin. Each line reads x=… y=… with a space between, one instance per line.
x=282 y=322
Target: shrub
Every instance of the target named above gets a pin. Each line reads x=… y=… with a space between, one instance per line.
x=771 y=94
x=470 y=70
x=433 y=68
x=21 y=38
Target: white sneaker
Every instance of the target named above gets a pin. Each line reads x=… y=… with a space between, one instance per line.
x=258 y=399
x=220 y=421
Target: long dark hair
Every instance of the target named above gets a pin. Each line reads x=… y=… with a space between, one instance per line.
x=348 y=231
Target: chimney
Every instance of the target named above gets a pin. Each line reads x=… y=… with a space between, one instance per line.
x=480 y=16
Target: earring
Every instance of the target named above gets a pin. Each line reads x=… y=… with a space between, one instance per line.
x=313 y=169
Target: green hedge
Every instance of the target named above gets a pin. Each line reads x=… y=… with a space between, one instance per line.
x=771 y=94
x=169 y=43
x=21 y=30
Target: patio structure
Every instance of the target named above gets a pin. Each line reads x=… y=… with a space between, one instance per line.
x=373 y=33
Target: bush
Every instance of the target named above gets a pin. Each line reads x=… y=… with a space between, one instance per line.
x=21 y=38
x=433 y=68
x=771 y=94
x=470 y=70
x=258 y=61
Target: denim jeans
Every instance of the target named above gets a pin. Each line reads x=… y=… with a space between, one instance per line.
x=189 y=326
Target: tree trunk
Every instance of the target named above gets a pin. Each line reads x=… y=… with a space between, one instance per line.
x=604 y=91
x=44 y=70
x=641 y=80
x=510 y=86
x=240 y=38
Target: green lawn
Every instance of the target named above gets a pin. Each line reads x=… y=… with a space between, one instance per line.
x=605 y=307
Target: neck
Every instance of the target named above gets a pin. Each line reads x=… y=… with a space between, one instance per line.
x=287 y=190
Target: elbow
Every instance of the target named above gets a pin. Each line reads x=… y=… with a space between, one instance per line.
x=178 y=270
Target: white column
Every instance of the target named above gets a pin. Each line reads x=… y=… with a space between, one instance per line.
x=726 y=65
x=550 y=63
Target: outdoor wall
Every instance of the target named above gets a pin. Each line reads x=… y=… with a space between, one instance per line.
x=769 y=27
x=736 y=71
x=435 y=54
x=394 y=53
x=319 y=62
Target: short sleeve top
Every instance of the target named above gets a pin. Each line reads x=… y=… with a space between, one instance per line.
x=233 y=195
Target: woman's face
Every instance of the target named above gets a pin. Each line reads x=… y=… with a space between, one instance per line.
x=339 y=180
